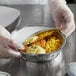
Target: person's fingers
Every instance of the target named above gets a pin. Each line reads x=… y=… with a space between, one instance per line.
x=59 y=18
x=4 y=32
x=3 y=39
x=58 y=23
x=69 y=25
x=11 y=43
x=69 y=30
x=63 y=17
x=66 y=23
x=13 y=53
x=6 y=52
x=16 y=46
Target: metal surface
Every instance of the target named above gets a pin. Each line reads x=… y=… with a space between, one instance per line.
x=34 y=14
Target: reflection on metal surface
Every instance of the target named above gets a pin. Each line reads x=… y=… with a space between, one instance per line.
x=55 y=67
x=4 y=74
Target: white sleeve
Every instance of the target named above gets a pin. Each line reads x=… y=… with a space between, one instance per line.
x=4 y=32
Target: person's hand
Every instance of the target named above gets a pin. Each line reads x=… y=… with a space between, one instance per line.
x=63 y=16
x=8 y=47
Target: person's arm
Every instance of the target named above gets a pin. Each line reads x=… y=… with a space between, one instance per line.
x=62 y=15
x=8 y=47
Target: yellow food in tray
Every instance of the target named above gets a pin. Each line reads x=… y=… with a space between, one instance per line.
x=36 y=49
x=52 y=44
x=30 y=40
x=43 y=42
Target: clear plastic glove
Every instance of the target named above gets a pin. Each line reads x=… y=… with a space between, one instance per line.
x=8 y=47
x=63 y=16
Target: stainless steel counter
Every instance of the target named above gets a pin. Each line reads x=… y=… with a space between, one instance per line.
x=35 y=14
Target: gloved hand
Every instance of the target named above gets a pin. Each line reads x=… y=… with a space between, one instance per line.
x=8 y=47
x=63 y=16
